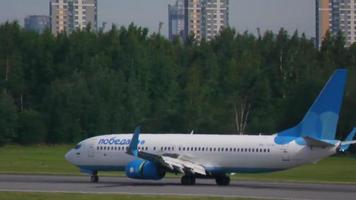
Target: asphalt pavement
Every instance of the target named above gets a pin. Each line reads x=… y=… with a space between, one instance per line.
x=172 y=186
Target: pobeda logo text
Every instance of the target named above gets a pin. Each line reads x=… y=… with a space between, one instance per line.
x=117 y=141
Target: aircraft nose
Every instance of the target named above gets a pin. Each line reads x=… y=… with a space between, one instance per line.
x=69 y=156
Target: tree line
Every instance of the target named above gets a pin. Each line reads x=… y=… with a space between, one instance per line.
x=61 y=89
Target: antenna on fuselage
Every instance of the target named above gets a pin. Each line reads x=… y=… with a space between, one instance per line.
x=192 y=132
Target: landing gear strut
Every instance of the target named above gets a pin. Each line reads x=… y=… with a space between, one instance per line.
x=94 y=178
x=188 y=179
x=222 y=180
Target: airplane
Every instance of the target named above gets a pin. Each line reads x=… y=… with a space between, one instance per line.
x=151 y=156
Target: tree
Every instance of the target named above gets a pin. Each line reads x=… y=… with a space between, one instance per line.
x=8 y=119
x=31 y=128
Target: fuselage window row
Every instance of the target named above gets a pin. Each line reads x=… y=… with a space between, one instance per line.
x=206 y=149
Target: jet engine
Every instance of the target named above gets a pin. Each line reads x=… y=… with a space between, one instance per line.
x=144 y=169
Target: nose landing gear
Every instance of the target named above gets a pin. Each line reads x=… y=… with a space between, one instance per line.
x=94 y=178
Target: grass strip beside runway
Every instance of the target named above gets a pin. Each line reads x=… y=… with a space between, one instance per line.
x=50 y=160
x=72 y=196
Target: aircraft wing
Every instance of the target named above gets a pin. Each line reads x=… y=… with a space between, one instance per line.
x=173 y=162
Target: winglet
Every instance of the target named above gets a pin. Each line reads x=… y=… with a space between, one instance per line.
x=348 y=141
x=134 y=142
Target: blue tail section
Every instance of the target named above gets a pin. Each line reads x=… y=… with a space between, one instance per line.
x=320 y=122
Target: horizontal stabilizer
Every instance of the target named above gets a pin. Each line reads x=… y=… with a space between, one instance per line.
x=317 y=143
x=348 y=142
x=345 y=145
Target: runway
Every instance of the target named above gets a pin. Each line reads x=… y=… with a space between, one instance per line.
x=171 y=186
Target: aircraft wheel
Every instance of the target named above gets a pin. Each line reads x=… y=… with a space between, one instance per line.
x=94 y=178
x=188 y=180
x=222 y=180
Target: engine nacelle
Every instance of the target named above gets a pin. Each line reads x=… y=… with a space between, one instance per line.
x=144 y=169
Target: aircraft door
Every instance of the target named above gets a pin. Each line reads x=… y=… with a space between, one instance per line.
x=91 y=151
x=285 y=153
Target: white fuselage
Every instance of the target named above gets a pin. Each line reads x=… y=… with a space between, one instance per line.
x=217 y=153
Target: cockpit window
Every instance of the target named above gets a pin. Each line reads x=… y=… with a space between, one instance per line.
x=78 y=146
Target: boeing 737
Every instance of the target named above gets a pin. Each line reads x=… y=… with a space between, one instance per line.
x=151 y=156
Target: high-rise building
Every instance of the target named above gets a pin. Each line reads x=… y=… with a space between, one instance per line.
x=205 y=18
x=176 y=20
x=215 y=17
x=69 y=15
x=193 y=18
x=322 y=20
x=37 y=23
x=336 y=16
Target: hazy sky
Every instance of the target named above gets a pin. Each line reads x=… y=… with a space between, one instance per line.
x=244 y=14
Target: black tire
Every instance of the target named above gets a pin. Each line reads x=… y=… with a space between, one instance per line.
x=188 y=180
x=222 y=180
x=94 y=178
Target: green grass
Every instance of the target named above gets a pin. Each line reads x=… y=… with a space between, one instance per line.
x=50 y=160
x=35 y=159
x=68 y=196
x=333 y=169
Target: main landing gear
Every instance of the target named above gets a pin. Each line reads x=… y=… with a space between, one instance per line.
x=222 y=180
x=94 y=178
x=189 y=179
